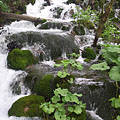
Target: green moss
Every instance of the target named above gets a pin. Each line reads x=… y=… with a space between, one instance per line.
x=89 y=53
x=27 y=106
x=20 y=59
x=45 y=86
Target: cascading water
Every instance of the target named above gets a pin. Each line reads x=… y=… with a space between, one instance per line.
x=7 y=75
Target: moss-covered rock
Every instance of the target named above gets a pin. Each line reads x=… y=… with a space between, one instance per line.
x=27 y=106
x=20 y=59
x=45 y=86
x=79 y=30
x=89 y=53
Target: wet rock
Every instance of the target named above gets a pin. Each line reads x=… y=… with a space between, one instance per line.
x=97 y=89
x=51 y=45
x=28 y=106
x=55 y=25
x=57 y=12
x=13 y=45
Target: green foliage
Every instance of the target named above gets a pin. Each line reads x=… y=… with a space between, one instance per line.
x=86 y=17
x=111 y=54
x=63 y=104
x=114 y=73
x=101 y=66
x=111 y=33
x=4 y=7
x=118 y=117
x=67 y=65
x=20 y=59
x=115 y=102
x=27 y=106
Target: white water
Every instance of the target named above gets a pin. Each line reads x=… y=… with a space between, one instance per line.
x=8 y=75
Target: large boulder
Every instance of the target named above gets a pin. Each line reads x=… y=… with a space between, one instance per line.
x=89 y=53
x=45 y=86
x=28 y=106
x=49 y=45
x=20 y=59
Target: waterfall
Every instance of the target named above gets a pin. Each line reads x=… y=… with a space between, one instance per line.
x=7 y=76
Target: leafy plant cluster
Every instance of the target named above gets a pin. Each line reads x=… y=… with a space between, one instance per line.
x=111 y=54
x=4 y=7
x=63 y=104
x=85 y=15
x=111 y=33
x=68 y=65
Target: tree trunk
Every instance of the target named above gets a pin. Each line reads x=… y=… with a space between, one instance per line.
x=103 y=18
x=21 y=17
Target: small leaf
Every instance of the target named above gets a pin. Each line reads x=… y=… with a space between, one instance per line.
x=78 y=95
x=58 y=65
x=78 y=110
x=118 y=117
x=55 y=99
x=70 y=109
x=101 y=66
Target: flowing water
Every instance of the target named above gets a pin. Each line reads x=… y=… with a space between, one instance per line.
x=8 y=75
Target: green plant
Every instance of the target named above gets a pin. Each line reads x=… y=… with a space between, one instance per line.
x=115 y=102
x=111 y=33
x=4 y=7
x=85 y=15
x=63 y=104
x=111 y=54
x=67 y=65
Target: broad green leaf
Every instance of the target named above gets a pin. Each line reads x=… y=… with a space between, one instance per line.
x=71 y=80
x=70 y=109
x=63 y=74
x=74 y=99
x=57 y=115
x=73 y=118
x=114 y=49
x=118 y=117
x=100 y=66
x=51 y=109
x=115 y=102
x=64 y=92
x=58 y=65
x=65 y=63
x=55 y=99
x=114 y=73
x=78 y=110
x=79 y=66
x=67 y=98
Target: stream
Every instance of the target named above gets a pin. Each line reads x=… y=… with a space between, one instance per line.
x=7 y=76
